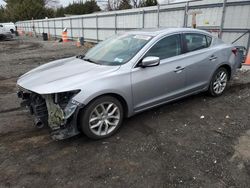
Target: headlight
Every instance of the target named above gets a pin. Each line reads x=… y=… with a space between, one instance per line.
x=70 y=108
x=66 y=102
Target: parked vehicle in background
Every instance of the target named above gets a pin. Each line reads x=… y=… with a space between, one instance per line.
x=4 y=33
x=9 y=27
x=125 y=75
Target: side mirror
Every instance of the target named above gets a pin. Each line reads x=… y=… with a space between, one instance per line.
x=150 y=61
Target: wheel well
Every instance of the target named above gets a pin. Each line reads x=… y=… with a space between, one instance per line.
x=118 y=97
x=122 y=100
x=228 y=68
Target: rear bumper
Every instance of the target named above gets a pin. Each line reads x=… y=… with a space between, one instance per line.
x=241 y=56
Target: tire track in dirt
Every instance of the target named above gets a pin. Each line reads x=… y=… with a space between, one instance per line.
x=10 y=110
x=236 y=87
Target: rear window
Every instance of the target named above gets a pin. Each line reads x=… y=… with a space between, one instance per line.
x=193 y=42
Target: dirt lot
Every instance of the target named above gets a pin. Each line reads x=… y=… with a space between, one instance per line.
x=170 y=146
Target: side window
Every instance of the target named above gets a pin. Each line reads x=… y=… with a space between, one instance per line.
x=166 y=47
x=194 y=42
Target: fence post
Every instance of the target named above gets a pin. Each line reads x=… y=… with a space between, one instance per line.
x=55 y=28
x=82 y=28
x=186 y=14
x=222 y=18
x=143 y=19
x=62 y=25
x=43 y=26
x=115 y=23
x=71 y=30
x=248 y=43
x=158 y=15
x=38 y=27
x=25 y=27
x=97 y=37
x=48 y=28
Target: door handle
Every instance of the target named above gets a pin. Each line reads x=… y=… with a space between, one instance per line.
x=212 y=58
x=179 y=69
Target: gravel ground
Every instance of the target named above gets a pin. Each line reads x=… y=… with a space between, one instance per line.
x=198 y=141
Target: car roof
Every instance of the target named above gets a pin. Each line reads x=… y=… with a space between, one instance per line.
x=158 y=31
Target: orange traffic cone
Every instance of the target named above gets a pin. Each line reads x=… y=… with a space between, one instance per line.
x=65 y=36
x=247 y=62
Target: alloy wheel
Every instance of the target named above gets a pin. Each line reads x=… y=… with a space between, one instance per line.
x=220 y=82
x=104 y=118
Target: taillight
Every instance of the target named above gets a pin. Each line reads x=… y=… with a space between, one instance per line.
x=234 y=50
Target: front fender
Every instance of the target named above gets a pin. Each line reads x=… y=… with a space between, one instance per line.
x=120 y=85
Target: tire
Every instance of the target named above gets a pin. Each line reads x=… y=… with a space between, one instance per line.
x=102 y=117
x=218 y=82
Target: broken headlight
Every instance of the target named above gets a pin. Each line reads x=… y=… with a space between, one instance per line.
x=66 y=102
x=70 y=108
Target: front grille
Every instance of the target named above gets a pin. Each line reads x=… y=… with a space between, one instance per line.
x=39 y=108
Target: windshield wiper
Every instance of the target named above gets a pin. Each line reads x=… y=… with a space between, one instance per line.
x=80 y=56
x=89 y=60
x=86 y=59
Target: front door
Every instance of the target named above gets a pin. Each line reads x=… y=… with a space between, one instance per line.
x=152 y=86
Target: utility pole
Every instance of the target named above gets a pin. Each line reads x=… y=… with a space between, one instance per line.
x=222 y=18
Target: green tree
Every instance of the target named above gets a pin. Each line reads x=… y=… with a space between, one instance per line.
x=147 y=3
x=50 y=12
x=17 y=10
x=125 y=4
x=77 y=8
x=60 y=12
x=143 y=3
x=91 y=6
x=2 y=14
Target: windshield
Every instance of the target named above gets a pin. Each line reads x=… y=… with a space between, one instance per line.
x=117 y=50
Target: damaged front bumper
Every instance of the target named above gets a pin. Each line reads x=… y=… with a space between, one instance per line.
x=57 y=111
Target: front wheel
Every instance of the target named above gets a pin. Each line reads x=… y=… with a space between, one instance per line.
x=102 y=117
x=219 y=82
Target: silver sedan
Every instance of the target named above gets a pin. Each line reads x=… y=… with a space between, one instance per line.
x=125 y=75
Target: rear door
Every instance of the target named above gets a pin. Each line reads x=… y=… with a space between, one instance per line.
x=201 y=60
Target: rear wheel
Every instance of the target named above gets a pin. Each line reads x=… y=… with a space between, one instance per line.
x=102 y=117
x=219 y=82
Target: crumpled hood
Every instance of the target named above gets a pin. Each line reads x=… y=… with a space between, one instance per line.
x=63 y=75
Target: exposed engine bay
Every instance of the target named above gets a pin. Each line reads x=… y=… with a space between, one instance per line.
x=57 y=111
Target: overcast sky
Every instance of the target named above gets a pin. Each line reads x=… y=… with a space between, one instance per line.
x=1 y=2
x=66 y=2
x=63 y=2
